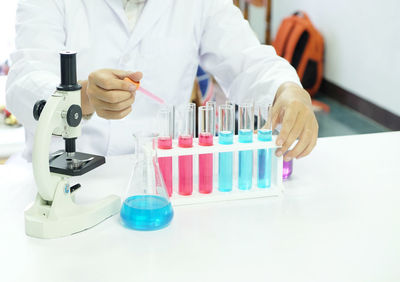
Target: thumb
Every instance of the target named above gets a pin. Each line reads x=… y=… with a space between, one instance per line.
x=121 y=74
x=135 y=76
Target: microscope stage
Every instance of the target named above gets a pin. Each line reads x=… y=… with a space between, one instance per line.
x=75 y=165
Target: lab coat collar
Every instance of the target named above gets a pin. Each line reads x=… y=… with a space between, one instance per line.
x=118 y=9
x=152 y=12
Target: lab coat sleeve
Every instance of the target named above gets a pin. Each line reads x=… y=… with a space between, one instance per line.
x=34 y=72
x=230 y=51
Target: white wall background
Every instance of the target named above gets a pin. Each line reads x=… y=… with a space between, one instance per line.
x=7 y=27
x=362 y=41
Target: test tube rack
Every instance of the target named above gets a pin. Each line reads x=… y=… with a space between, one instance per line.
x=275 y=189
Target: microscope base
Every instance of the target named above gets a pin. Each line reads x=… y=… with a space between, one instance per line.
x=63 y=217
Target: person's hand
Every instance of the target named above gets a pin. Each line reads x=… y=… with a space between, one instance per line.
x=106 y=93
x=292 y=108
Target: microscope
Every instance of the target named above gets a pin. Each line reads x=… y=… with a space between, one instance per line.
x=54 y=213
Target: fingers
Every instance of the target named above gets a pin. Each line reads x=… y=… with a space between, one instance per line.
x=115 y=107
x=275 y=117
x=136 y=76
x=289 y=121
x=309 y=148
x=304 y=141
x=114 y=115
x=109 y=94
x=295 y=132
x=114 y=96
x=113 y=79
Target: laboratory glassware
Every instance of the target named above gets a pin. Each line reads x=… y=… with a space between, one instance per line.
x=226 y=126
x=287 y=169
x=144 y=91
x=164 y=141
x=206 y=130
x=146 y=206
x=213 y=105
x=246 y=128
x=264 y=134
x=185 y=140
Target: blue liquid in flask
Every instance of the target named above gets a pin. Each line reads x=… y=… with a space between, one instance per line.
x=245 y=161
x=146 y=212
x=225 y=169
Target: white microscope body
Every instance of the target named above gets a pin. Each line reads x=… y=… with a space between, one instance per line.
x=54 y=212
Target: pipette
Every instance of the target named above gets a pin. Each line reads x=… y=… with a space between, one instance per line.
x=144 y=91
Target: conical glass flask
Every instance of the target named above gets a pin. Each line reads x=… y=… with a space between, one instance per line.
x=146 y=206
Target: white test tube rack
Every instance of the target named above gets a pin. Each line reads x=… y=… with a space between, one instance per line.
x=275 y=189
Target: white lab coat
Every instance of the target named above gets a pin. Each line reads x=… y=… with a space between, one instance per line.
x=171 y=38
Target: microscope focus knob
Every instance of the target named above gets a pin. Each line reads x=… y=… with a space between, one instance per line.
x=38 y=108
x=74 y=115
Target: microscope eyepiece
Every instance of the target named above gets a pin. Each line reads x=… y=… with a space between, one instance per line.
x=68 y=72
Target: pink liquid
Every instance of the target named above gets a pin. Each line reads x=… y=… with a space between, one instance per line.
x=185 y=167
x=151 y=95
x=206 y=165
x=165 y=163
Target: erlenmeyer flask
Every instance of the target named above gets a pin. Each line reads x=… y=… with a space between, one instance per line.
x=146 y=206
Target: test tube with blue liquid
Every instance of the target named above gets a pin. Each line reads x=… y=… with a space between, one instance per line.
x=226 y=126
x=264 y=134
x=185 y=140
x=246 y=128
x=146 y=206
x=206 y=132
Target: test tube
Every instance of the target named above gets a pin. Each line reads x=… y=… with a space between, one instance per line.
x=264 y=134
x=287 y=169
x=213 y=105
x=193 y=107
x=246 y=126
x=185 y=163
x=226 y=126
x=206 y=138
x=164 y=142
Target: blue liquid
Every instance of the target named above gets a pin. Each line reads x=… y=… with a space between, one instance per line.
x=245 y=161
x=264 y=160
x=225 y=169
x=264 y=168
x=146 y=212
x=264 y=135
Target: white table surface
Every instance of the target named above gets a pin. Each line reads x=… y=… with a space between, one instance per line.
x=339 y=220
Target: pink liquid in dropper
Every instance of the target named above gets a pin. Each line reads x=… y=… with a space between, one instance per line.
x=144 y=91
x=165 y=163
x=151 y=95
x=185 y=167
x=206 y=165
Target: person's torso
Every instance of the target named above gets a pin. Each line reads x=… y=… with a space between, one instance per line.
x=164 y=46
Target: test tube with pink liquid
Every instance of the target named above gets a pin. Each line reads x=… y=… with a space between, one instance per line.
x=185 y=140
x=164 y=142
x=206 y=131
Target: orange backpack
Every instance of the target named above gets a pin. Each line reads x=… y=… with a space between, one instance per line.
x=299 y=42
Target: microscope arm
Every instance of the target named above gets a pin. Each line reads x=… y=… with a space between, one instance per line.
x=50 y=119
x=54 y=212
